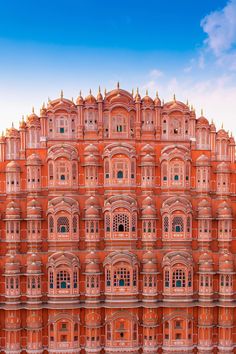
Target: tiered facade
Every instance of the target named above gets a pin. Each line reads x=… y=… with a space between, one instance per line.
x=117 y=230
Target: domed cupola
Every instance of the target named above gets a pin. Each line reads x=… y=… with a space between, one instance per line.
x=205 y=263
x=90 y=99
x=226 y=262
x=12 y=265
x=13 y=210
x=79 y=100
x=34 y=209
x=34 y=264
x=224 y=211
x=147 y=100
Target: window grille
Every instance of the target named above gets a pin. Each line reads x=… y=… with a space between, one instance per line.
x=63 y=280
x=63 y=224
x=120 y=223
x=121 y=277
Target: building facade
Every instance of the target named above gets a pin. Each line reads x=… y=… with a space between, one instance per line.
x=117 y=229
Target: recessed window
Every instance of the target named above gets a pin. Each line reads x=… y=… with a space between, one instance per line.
x=62 y=130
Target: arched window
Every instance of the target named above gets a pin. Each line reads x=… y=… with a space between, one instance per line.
x=63 y=280
x=120 y=174
x=177 y=224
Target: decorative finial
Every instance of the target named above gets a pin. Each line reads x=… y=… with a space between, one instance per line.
x=49 y=100
x=201 y=112
x=22 y=118
x=187 y=102
x=12 y=125
x=118 y=85
x=157 y=96
x=174 y=98
x=33 y=109
x=163 y=102
x=137 y=91
x=191 y=107
x=43 y=106
x=132 y=92
x=80 y=93
x=146 y=92
x=105 y=92
x=72 y=99
x=62 y=94
x=99 y=89
x=90 y=91
x=222 y=125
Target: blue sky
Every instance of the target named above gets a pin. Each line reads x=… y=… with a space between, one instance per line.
x=182 y=47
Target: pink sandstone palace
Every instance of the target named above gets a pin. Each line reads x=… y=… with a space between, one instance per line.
x=117 y=230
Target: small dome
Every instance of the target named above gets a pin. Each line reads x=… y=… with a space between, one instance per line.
x=147 y=149
x=226 y=262
x=91 y=149
x=13 y=167
x=12 y=133
x=202 y=121
x=149 y=256
x=149 y=262
x=149 y=267
x=34 y=159
x=90 y=99
x=147 y=159
x=12 y=265
x=222 y=133
x=205 y=262
x=224 y=210
x=147 y=201
x=223 y=167
x=157 y=100
x=92 y=257
x=204 y=209
x=92 y=268
x=34 y=208
x=137 y=97
x=99 y=96
x=33 y=120
x=33 y=264
x=147 y=100
x=80 y=100
x=91 y=159
x=149 y=212
x=13 y=210
x=92 y=212
x=92 y=200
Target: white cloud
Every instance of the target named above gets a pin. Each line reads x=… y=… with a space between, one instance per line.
x=220 y=27
x=156 y=73
x=215 y=96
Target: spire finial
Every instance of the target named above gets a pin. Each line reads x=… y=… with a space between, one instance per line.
x=49 y=100
x=72 y=99
x=201 y=112
x=80 y=93
x=62 y=94
x=22 y=118
x=222 y=125
x=12 y=125
x=33 y=109
x=137 y=90
x=43 y=106
x=174 y=97
x=163 y=102
x=118 y=85
x=99 y=89
x=146 y=92
x=187 y=102
x=105 y=92
x=90 y=91
x=132 y=92
x=157 y=96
